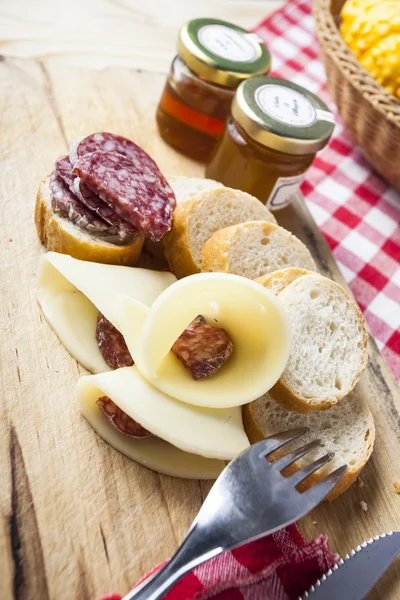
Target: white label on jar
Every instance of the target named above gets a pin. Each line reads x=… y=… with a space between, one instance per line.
x=284 y=191
x=228 y=43
x=285 y=105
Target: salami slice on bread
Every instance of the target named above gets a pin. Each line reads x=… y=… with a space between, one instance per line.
x=59 y=234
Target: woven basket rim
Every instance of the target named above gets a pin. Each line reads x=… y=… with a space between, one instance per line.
x=334 y=45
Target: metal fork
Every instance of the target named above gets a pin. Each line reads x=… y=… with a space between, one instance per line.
x=250 y=499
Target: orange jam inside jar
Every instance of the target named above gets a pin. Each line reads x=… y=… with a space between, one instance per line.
x=271 y=138
x=214 y=57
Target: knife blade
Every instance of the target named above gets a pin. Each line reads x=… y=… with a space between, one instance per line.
x=356 y=575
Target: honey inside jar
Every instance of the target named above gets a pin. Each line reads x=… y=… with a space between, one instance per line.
x=271 y=138
x=213 y=58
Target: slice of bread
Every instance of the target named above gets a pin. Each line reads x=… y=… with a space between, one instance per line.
x=184 y=188
x=346 y=429
x=254 y=249
x=61 y=235
x=329 y=344
x=278 y=280
x=198 y=218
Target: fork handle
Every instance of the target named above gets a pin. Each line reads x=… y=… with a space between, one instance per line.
x=190 y=554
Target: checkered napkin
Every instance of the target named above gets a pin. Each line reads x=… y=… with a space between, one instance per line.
x=357 y=211
x=279 y=567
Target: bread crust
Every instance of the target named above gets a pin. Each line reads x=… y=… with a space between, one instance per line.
x=56 y=237
x=176 y=242
x=256 y=434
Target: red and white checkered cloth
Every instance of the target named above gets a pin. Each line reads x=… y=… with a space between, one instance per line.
x=357 y=211
x=279 y=567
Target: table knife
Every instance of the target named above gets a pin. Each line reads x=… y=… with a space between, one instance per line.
x=356 y=575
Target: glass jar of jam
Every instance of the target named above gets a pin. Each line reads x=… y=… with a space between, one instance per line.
x=271 y=138
x=213 y=58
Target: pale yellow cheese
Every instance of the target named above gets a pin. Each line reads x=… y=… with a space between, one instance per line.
x=253 y=317
x=212 y=433
x=152 y=452
x=71 y=292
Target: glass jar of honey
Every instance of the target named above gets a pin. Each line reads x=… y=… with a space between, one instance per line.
x=213 y=58
x=270 y=139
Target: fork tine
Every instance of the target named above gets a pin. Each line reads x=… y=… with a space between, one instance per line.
x=317 y=493
x=276 y=441
x=285 y=461
x=308 y=470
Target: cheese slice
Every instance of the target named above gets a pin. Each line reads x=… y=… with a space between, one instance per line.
x=211 y=433
x=71 y=292
x=253 y=317
x=152 y=452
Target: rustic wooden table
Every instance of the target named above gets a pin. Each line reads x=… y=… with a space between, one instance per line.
x=77 y=518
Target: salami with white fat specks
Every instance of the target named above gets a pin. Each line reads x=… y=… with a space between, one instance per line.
x=203 y=348
x=67 y=205
x=112 y=344
x=89 y=199
x=120 y=420
x=105 y=211
x=109 y=142
x=137 y=194
x=64 y=170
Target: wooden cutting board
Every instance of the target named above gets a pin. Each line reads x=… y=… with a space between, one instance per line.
x=77 y=518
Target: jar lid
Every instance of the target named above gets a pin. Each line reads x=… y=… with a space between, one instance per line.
x=282 y=115
x=221 y=52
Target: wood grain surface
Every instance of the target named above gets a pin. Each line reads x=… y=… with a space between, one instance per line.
x=78 y=519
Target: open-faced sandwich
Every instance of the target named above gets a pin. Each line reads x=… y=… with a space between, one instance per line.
x=241 y=320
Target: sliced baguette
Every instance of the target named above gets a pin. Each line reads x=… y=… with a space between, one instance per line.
x=254 y=249
x=60 y=235
x=184 y=188
x=198 y=218
x=346 y=429
x=278 y=280
x=329 y=344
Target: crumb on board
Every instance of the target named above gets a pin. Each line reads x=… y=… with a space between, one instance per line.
x=314 y=522
x=364 y=505
x=396 y=485
x=360 y=482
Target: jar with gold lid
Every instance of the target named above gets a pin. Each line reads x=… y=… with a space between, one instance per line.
x=213 y=58
x=270 y=139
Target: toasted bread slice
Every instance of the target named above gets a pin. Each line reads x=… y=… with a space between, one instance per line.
x=198 y=218
x=278 y=280
x=61 y=235
x=347 y=429
x=329 y=344
x=254 y=249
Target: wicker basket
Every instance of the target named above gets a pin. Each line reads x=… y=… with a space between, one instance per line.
x=370 y=114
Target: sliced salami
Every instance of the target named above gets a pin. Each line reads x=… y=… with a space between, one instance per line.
x=135 y=193
x=120 y=420
x=203 y=348
x=67 y=205
x=111 y=344
x=109 y=142
x=64 y=170
x=95 y=203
